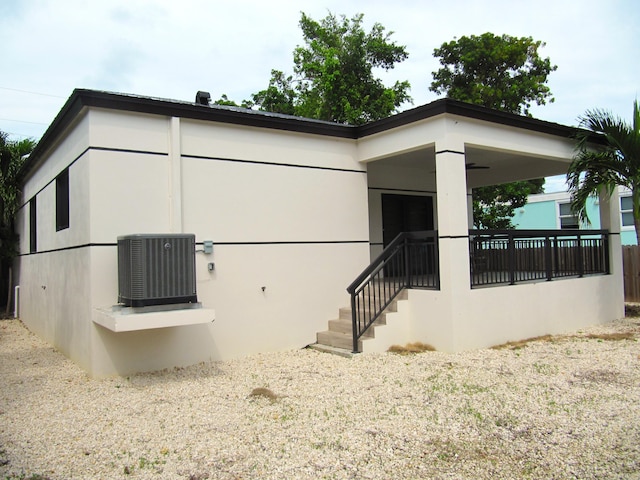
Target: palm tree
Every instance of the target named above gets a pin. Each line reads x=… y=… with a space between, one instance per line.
x=12 y=157
x=604 y=166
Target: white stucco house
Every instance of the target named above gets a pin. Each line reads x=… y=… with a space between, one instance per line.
x=287 y=213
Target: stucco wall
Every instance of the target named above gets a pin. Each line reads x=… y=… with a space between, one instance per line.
x=489 y=316
x=286 y=211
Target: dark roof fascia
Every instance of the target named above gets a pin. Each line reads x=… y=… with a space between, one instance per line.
x=468 y=110
x=81 y=98
x=245 y=117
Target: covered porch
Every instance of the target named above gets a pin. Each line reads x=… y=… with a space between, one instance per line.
x=472 y=288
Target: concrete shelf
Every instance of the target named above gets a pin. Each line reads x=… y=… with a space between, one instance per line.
x=129 y=319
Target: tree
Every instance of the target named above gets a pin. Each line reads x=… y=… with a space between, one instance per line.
x=504 y=73
x=12 y=156
x=603 y=168
x=501 y=72
x=333 y=76
x=493 y=206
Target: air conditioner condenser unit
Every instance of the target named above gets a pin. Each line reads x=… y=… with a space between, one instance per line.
x=156 y=269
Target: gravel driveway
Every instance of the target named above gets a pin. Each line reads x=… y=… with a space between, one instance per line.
x=565 y=408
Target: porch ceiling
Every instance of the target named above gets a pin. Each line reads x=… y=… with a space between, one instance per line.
x=503 y=166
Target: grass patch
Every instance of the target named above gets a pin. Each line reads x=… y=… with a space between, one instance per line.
x=518 y=344
x=411 y=348
x=612 y=336
x=556 y=338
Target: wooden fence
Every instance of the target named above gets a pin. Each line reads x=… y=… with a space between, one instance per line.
x=631 y=269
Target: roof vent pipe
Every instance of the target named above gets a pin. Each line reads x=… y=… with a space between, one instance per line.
x=203 y=98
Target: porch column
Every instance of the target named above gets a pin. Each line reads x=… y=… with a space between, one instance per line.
x=453 y=217
x=610 y=220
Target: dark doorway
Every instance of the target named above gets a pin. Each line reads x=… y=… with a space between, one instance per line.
x=409 y=213
x=405 y=213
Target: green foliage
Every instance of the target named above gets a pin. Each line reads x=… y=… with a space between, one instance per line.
x=493 y=206
x=279 y=97
x=333 y=74
x=12 y=156
x=501 y=72
x=224 y=100
x=603 y=168
x=504 y=73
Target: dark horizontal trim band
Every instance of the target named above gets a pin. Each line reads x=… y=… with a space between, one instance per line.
x=449 y=151
x=103 y=149
x=452 y=236
x=258 y=162
x=401 y=190
x=73 y=247
x=127 y=150
x=291 y=242
x=54 y=178
x=376 y=244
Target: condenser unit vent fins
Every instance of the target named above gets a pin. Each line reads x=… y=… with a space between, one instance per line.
x=156 y=269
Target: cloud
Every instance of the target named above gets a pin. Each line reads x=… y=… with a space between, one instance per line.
x=172 y=49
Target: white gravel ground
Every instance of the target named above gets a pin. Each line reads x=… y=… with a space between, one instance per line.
x=563 y=409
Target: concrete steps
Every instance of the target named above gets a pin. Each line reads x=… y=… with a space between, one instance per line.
x=340 y=331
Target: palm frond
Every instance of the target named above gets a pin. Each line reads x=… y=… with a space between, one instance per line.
x=597 y=168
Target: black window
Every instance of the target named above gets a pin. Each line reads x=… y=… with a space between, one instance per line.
x=33 y=245
x=62 y=201
x=568 y=220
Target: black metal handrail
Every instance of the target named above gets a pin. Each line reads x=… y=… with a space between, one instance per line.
x=409 y=261
x=512 y=256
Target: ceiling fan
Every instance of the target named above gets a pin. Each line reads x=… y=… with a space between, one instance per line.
x=473 y=166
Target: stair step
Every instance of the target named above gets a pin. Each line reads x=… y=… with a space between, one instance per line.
x=341 y=352
x=335 y=339
x=346 y=326
x=340 y=333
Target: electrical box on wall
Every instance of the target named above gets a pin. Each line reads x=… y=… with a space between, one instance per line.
x=156 y=269
x=208 y=246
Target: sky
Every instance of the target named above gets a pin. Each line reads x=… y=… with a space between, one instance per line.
x=171 y=49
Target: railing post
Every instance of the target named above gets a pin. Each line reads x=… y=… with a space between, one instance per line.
x=580 y=258
x=511 y=249
x=407 y=263
x=354 y=322
x=548 y=259
x=606 y=252
x=556 y=255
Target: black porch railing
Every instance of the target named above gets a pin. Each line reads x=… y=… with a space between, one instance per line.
x=512 y=256
x=409 y=261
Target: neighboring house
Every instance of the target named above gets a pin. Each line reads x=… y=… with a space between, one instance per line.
x=553 y=211
x=292 y=211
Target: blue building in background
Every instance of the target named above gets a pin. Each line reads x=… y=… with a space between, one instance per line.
x=551 y=211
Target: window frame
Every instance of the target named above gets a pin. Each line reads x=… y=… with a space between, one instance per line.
x=626 y=210
x=62 y=200
x=33 y=226
x=561 y=216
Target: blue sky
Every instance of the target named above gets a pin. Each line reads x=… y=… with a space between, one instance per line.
x=171 y=49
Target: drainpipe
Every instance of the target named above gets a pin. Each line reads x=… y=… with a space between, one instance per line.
x=16 y=298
